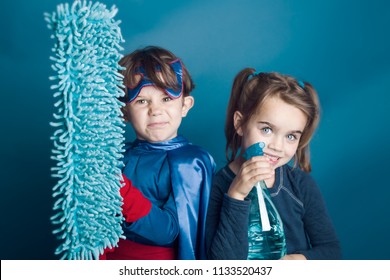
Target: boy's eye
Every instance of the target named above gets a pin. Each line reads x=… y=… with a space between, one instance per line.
x=167 y=98
x=141 y=101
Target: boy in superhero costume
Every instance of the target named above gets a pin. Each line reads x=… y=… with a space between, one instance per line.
x=167 y=179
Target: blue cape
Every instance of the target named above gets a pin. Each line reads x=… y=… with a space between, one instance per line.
x=178 y=171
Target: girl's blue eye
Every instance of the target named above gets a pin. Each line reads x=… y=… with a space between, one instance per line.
x=266 y=130
x=291 y=137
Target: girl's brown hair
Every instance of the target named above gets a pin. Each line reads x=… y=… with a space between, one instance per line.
x=251 y=89
x=151 y=57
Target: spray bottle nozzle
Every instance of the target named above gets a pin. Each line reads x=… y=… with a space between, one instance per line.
x=254 y=150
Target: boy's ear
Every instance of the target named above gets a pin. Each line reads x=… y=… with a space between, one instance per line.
x=188 y=103
x=237 y=118
x=124 y=112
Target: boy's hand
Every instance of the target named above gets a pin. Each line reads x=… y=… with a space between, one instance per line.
x=135 y=204
x=106 y=251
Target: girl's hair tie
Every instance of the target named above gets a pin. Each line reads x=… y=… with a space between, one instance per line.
x=253 y=75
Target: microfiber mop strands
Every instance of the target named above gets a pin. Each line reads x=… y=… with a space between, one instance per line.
x=89 y=136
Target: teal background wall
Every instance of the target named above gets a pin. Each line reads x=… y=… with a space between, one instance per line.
x=341 y=47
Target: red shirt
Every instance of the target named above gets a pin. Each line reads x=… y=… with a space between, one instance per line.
x=129 y=250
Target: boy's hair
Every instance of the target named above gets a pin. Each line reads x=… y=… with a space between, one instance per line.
x=150 y=58
x=249 y=92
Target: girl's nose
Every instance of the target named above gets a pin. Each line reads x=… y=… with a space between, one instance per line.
x=276 y=143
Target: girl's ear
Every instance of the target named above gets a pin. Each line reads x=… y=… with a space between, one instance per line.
x=188 y=103
x=237 y=118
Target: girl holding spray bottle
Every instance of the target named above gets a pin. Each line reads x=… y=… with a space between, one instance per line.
x=282 y=114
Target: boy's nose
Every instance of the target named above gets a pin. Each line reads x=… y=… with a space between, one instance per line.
x=154 y=109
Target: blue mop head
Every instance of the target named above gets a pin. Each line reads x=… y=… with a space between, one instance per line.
x=89 y=136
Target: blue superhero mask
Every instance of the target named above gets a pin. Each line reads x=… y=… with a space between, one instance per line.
x=145 y=81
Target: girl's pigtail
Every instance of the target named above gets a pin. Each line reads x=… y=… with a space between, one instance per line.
x=237 y=99
x=313 y=113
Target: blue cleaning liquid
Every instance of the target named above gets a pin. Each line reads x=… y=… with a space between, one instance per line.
x=270 y=244
x=265 y=237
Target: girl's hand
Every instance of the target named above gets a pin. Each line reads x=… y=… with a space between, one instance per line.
x=251 y=171
x=294 y=257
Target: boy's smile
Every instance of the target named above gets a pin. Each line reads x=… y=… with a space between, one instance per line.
x=157 y=125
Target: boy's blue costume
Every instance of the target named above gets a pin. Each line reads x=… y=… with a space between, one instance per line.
x=171 y=175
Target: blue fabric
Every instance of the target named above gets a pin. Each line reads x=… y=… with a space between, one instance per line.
x=176 y=177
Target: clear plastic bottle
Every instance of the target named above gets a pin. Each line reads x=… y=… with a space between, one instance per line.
x=265 y=244
x=265 y=227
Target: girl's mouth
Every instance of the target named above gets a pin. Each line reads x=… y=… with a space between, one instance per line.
x=272 y=159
